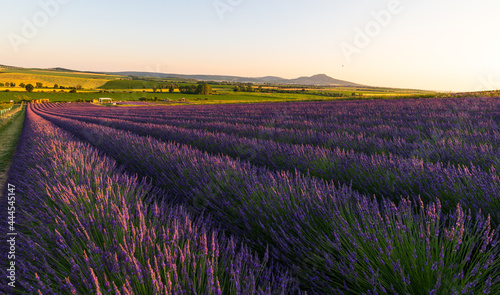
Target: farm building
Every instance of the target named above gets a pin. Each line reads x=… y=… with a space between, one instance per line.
x=43 y=100
x=104 y=100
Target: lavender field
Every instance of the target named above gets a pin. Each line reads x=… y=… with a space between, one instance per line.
x=347 y=197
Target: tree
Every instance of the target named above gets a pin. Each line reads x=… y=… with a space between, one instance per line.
x=22 y=85
x=188 y=89
x=56 y=86
x=39 y=85
x=12 y=84
x=29 y=88
x=7 y=84
x=79 y=87
x=199 y=89
x=171 y=89
x=2 y=85
x=203 y=89
x=72 y=90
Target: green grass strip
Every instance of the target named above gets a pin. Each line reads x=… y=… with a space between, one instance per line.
x=10 y=130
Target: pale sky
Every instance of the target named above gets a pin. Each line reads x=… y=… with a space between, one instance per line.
x=436 y=45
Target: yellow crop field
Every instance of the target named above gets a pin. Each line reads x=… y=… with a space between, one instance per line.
x=50 y=80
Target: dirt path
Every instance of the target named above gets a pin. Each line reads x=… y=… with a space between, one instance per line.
x=9 y=137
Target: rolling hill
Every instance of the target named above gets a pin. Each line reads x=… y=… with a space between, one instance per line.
x=49 y=77
x=316 y=80
x=94 y=80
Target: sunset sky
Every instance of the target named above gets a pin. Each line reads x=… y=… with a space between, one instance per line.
x=436 y=45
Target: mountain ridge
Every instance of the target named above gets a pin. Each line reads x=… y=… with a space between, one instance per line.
x=315 y=80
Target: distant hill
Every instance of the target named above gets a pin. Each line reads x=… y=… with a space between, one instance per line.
x=321 y=79
x=9 y=67
x=316 y=80
x=63 y=70
x=73 y=71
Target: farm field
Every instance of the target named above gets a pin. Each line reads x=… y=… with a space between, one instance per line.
x=10 y=129
x=324 y=197
x=51 y=77
x=134 y=96
x=228 y=97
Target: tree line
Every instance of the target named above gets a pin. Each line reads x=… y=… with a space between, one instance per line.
x=30 y=87
x=203 y=89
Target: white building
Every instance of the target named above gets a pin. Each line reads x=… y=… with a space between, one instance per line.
x=105 y=100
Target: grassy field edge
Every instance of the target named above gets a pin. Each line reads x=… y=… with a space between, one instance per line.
x=10 y=131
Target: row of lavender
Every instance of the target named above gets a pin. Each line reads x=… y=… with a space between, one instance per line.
x=329 y=111
x=87 y=227
x=384 y=176
x=353 y=116
x=457 y=136
x=333 y=239
x=438 y=147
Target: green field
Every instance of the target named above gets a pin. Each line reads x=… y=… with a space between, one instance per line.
x=10 y=129
x=221 y=97
x=130 y=84
x=134 y=96
x=124 y=84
